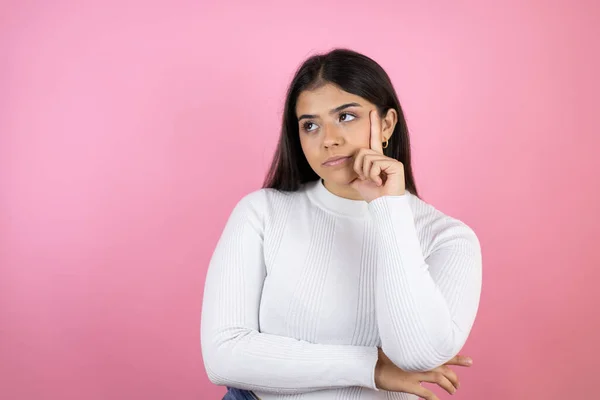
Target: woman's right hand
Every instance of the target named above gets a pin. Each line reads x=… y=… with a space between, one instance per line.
x=391 y=378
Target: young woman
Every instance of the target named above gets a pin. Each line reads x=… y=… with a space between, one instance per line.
x=336 y=281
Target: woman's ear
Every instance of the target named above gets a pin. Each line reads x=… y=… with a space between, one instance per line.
x=389 y=123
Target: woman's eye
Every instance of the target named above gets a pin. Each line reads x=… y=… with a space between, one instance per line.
x=309 y=127
x=346 y=117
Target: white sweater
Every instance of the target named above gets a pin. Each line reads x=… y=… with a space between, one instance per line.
x=303 y=287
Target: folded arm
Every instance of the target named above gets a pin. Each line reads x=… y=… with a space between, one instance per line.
x=235 y=352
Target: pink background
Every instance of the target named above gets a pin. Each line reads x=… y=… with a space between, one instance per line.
x=130 y=129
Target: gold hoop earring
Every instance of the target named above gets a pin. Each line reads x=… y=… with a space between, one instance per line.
x=385 y=144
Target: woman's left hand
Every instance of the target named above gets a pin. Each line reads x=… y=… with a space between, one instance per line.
x=378 y=175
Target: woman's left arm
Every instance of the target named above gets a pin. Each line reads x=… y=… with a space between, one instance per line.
x=425 y=306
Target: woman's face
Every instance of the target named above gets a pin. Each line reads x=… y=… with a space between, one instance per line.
x=333 y=124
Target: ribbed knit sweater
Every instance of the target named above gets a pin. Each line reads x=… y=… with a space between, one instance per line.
x=304 y=286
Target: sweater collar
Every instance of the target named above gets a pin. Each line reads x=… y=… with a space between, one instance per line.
x=322 y=197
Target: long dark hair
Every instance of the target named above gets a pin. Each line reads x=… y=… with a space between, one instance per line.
x=354 y=73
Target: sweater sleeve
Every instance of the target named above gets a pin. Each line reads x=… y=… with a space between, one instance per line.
x=234 y=350
x=425 y=307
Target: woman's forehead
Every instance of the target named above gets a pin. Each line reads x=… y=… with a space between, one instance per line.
x=325 y=98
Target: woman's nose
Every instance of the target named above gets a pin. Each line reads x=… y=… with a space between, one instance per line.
x=331 y=136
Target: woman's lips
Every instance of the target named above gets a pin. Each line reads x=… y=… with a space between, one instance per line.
x=336 y=161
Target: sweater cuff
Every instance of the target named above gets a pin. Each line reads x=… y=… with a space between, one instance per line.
x=369 y=374
x=357 y=368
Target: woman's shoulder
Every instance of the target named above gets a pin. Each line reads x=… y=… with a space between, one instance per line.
x=437 y=228
x=265 y=201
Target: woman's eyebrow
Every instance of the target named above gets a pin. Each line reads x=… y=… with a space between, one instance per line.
x=335 y=110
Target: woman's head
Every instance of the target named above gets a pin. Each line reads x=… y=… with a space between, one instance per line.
x=327 y=115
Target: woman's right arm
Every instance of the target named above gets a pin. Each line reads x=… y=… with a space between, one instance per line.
x=235 y=352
